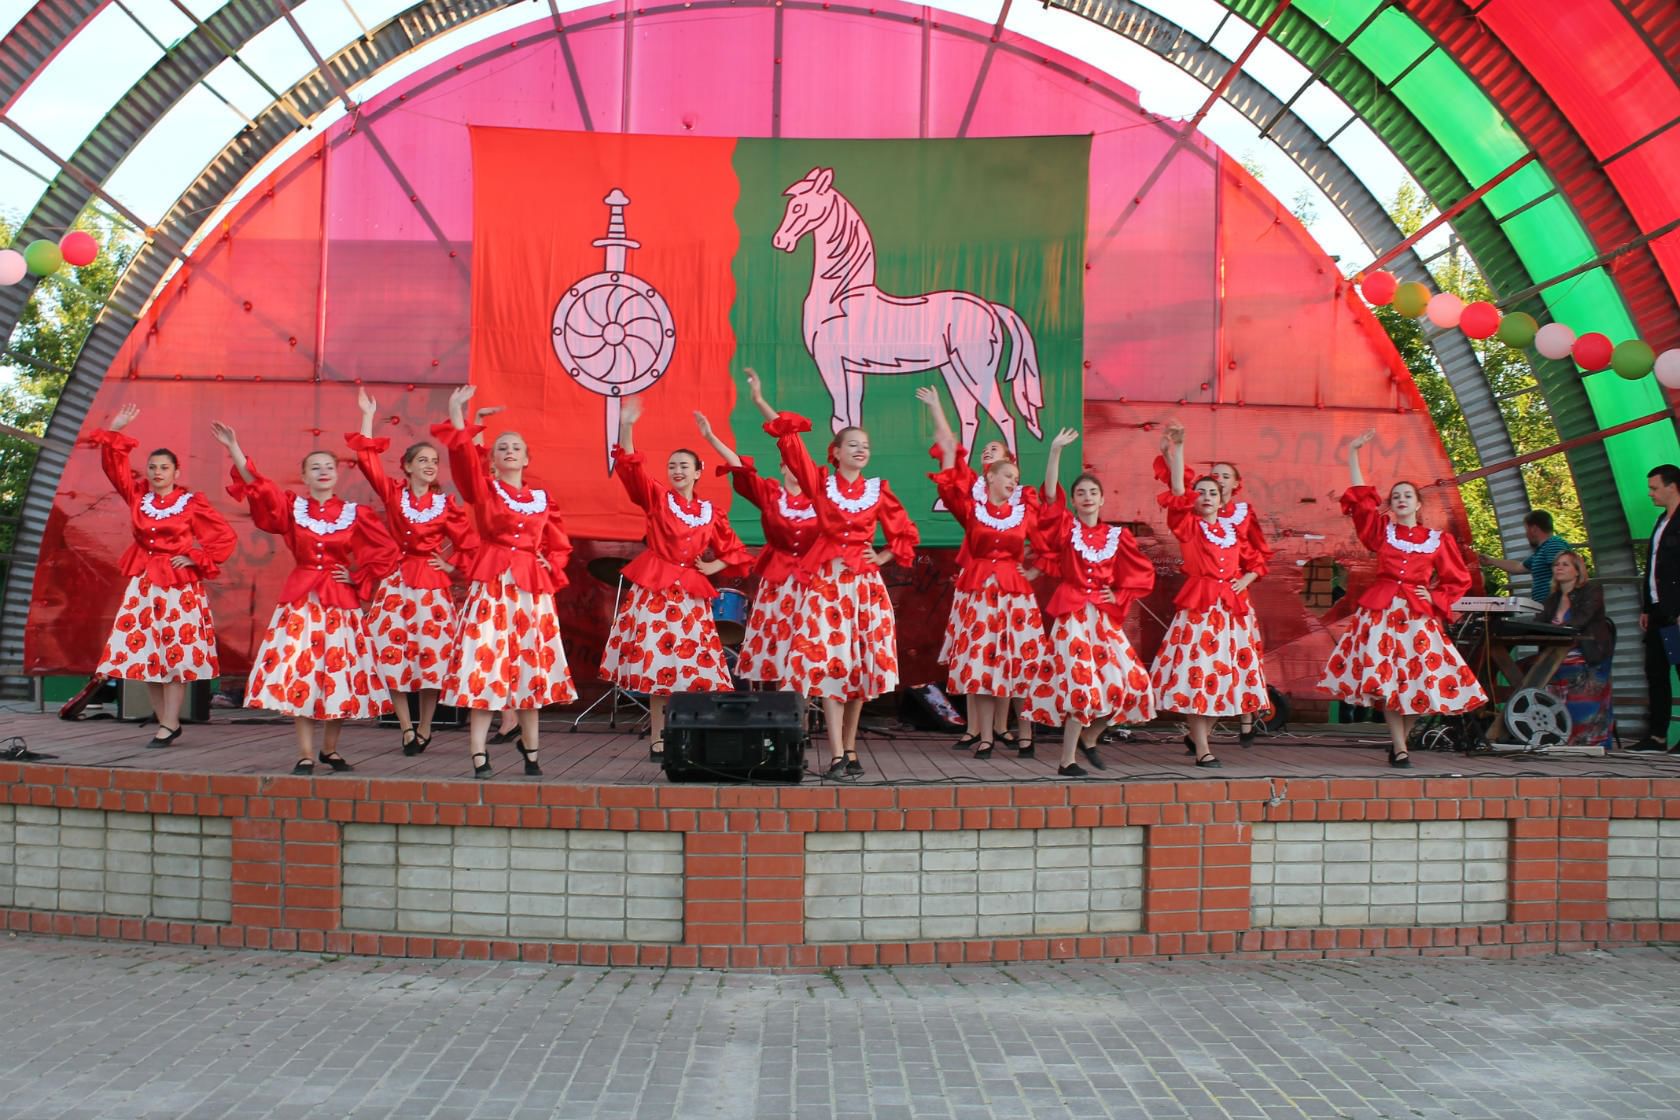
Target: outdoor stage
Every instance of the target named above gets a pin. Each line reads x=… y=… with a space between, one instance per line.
x=1303 y=845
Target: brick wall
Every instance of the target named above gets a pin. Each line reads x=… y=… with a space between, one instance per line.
x=738 y=877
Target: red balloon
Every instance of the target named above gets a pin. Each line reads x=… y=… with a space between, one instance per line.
x=78 y=248
x=1480 y=319
x=1378 y=287
x=1592 y=351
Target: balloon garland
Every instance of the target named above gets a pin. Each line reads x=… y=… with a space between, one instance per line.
x=43 y=258
x=1592 y=351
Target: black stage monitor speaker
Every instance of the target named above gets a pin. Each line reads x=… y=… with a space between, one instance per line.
x=735 y=737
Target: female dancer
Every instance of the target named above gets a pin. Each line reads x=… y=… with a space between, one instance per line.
x=663 y=640
x=1240 y=516
x=993 y=452
x=162 y=634
x=1092 y=677
x=1396 y=653
x=1209 y=665
x=998 y=645
x=790 y=529
x=316 y=664
x=412 y=619
x=847 y=647
x=508 y=652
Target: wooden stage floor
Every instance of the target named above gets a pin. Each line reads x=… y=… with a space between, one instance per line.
x=252 y=743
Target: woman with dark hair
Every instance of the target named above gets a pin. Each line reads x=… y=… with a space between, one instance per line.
x=508 y=650
x=1209 y=665
x=847 y=647
x=1582 y=682
x=664 y=640
x=1397 y=653
x=412 y=619
x=316 y=664
x=162 y=633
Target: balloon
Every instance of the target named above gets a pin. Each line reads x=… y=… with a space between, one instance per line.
x=1444 y=310
x=12 y=267
x=1411 y=299
x=1518 y=329
x=1554 y=340
x=43 y=257
x=1592 y=351
x=1378 y=288
x=1479 y=319
x=78 y=248
x=1668 y=368
x=1633 y=359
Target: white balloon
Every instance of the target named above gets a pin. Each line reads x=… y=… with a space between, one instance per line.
x=1445 y=310
x=1668 y=368
x=12 y=267
x=1554 y=340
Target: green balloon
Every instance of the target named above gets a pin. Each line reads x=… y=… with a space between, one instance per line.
x=1518 y=329
x=1411 y=299
x=43 y=258
x=1633 y=359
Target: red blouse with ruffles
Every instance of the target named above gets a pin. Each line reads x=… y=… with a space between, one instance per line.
x=846 y=533
x=1236 y=512
x=157 y=539
x=1083 y=579
x=363 y=544
x=509 y=539
x=789 y=520
x=995 y=537
x=1407 y=556
x=675 y=545
x=1210 y=564
x=418 y=540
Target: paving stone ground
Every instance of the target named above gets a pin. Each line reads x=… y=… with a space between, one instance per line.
x=90 y=1029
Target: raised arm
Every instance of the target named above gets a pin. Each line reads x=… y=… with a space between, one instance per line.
x=942 y=434
x=114 y=450
x=1053 y=462
x=756 y=388
x=725 y=452
x=369 y=448
x=1355 y=473
x=627 y=464
x=1172 y=447
x=229 y=439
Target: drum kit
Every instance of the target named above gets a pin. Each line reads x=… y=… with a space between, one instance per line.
x=729 y=614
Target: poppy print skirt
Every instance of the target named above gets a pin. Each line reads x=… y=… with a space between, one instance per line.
x=1210 y=665
x=161 y=635
x=664 y=641
x=508 y=652
x=317 y=663
x=1400 y=659
x=846 y=647
x=1091 y=674
x=412 y=629
x=770 y=629
x=997 y=643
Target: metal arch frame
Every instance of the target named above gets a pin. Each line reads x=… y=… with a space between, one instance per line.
x=430 y=18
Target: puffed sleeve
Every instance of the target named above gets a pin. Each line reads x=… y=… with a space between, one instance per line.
x=467 y=466
x=902 y=537
x=1178 y=508
x=1257 y=554
x=956 y=491
x=557 y=548
x=368 y=450
x=1362 y=504
x=463 y=535
x=1048 y=532
x=114 y=450
x=214 y=537
x=961 y=466
x=377 y=555
x=786 y=429
x=1452 y=578
x=1164 y=476
x=726 y=546
x=748 y=483
x=1134 y=575
x=630 y=469
x=269 y=510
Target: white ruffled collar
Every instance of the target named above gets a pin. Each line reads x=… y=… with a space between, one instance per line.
x=806 y=513
x=538 y=502
x=301 y=516
x=149 y=506
x=692 y=520
x=1096 y=555
x=983 y=514
x=1427 y=545
x=871 y=494
x=1225 y=538
x=434 y=510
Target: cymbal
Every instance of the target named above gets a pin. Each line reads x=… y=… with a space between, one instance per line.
x=607 y=568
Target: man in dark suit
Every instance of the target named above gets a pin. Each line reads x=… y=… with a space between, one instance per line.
x=1659 y=599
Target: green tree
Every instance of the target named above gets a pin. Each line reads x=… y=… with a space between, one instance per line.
x=1549 y=482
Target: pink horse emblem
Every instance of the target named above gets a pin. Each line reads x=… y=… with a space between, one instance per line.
x=853 y=328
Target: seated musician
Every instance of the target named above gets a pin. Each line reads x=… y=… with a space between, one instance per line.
x=1582 y=682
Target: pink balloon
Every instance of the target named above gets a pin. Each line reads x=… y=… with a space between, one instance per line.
x=1668 y=368
x=12 y=267
x=1592 y=351
x=1444 y=310
x=1480 y=319
x=1554 y=340
x=1378 y=288
x=79 y=248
